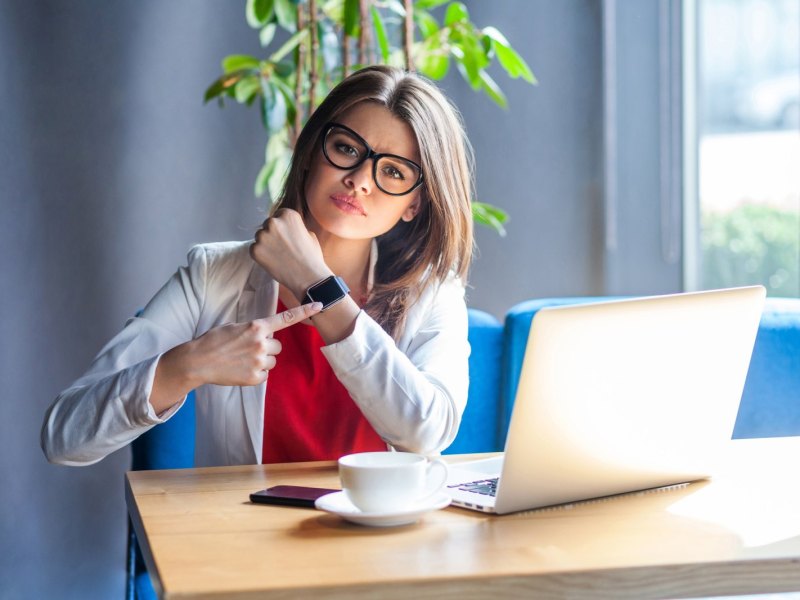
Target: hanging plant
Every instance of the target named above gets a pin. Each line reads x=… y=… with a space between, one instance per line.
x=329 y=39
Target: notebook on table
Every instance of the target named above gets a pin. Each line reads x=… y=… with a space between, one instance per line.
x=619 y=396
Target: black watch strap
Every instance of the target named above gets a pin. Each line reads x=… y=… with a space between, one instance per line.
x=329 y=291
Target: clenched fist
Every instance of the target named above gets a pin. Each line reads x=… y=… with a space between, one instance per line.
x=289 y=252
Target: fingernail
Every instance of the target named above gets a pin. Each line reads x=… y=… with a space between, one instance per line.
x=316 y=305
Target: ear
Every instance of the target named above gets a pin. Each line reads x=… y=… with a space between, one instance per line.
x=412 y=210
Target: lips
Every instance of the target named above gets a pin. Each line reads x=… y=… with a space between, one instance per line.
x=348 y=204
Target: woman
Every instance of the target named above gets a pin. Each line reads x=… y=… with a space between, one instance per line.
x=369 y=245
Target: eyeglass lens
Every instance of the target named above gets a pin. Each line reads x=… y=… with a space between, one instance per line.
x=393 y=175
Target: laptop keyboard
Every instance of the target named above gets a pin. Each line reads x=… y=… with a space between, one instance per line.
x=485 y=487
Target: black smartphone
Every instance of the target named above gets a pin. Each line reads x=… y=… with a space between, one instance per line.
x=290 y=495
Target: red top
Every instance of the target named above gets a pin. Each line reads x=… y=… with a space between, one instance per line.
x=308 y=413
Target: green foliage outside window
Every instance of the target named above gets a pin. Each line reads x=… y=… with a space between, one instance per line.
x=752 y=244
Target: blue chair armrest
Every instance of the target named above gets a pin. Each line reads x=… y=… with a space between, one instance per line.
x=478 y=431
x=169 y=445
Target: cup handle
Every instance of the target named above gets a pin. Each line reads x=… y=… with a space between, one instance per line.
x=436 y=476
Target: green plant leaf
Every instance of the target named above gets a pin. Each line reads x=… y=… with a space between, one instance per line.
x=277 y=159
x=396 y=7
x=286 y=12
x=351 y=17
x=289 y=45
x=284 y=68
x=278 y=176
x=495 y=35
x=380 y=34
x=509 y=59
x=267 y=34
x=334 y=11
x=433 y=60
x=493 y=90
x=490 y=216
x=247 y=88
x=273 y=107
x=217 y=88
x=427 y=24
x=467 y=65
x=258 y=12
x=456 y=13
x=288 y=95
x=262 y=179
x=237 y=62
x=428 y=4
x=328 y=45
x=224 y=84
x=471 y=41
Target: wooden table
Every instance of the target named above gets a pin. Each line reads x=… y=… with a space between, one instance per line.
x=736 y=534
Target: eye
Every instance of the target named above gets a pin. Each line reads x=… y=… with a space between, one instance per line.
x=346 y=150
x=393 y=172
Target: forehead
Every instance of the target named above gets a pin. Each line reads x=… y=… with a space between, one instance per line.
x=383 y=131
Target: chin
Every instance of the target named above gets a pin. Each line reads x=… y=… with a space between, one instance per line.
x=344 y=226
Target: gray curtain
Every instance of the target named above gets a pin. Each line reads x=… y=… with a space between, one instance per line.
x=110 y=169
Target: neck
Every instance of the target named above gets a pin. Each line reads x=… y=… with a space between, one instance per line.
x=347 y=258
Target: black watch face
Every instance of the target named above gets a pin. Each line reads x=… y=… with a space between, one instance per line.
x=328 y=291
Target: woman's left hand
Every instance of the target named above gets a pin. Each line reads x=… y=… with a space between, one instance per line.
x=289 y=252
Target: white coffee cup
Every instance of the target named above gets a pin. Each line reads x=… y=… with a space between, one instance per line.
x=390 y=481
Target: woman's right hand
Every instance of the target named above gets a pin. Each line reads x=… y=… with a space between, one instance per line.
x=232 y=354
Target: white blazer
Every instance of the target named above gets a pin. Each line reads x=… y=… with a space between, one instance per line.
x=413 y=392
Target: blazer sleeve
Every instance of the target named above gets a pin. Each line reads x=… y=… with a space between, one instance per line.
x=108 y=406
x=414 y=398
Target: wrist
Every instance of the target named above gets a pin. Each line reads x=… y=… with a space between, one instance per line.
x=180 y=365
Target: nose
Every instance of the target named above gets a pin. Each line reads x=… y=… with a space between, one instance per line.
x=360 y=178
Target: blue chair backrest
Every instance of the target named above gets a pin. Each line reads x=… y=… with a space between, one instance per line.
x=770 y=404
x=479 y=430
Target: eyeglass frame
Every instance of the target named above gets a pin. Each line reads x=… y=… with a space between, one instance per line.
x=370 y=154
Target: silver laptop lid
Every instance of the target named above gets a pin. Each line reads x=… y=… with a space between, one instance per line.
x=626 y=395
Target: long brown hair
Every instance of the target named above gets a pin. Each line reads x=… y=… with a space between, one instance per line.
x=438 y=241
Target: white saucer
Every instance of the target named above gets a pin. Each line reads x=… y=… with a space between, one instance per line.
x=337 y=503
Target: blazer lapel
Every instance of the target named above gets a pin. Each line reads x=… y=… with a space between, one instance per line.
x=258 y=299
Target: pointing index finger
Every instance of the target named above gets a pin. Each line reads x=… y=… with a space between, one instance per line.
x=289 y=317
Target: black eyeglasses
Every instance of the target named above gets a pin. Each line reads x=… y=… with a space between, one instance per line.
x=345 y=149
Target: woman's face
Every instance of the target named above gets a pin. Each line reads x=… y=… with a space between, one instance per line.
x=347 y=203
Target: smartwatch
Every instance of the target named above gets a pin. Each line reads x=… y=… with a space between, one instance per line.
x=329 y=291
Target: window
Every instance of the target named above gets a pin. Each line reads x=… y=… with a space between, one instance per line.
x=746 y=92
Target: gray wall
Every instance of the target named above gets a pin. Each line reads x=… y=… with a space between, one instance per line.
x=541 y=159
x=110 y=168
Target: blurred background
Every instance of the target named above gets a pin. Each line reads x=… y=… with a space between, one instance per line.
x=660 y=152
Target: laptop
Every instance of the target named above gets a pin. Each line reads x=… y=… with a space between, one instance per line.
x=619 y=396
